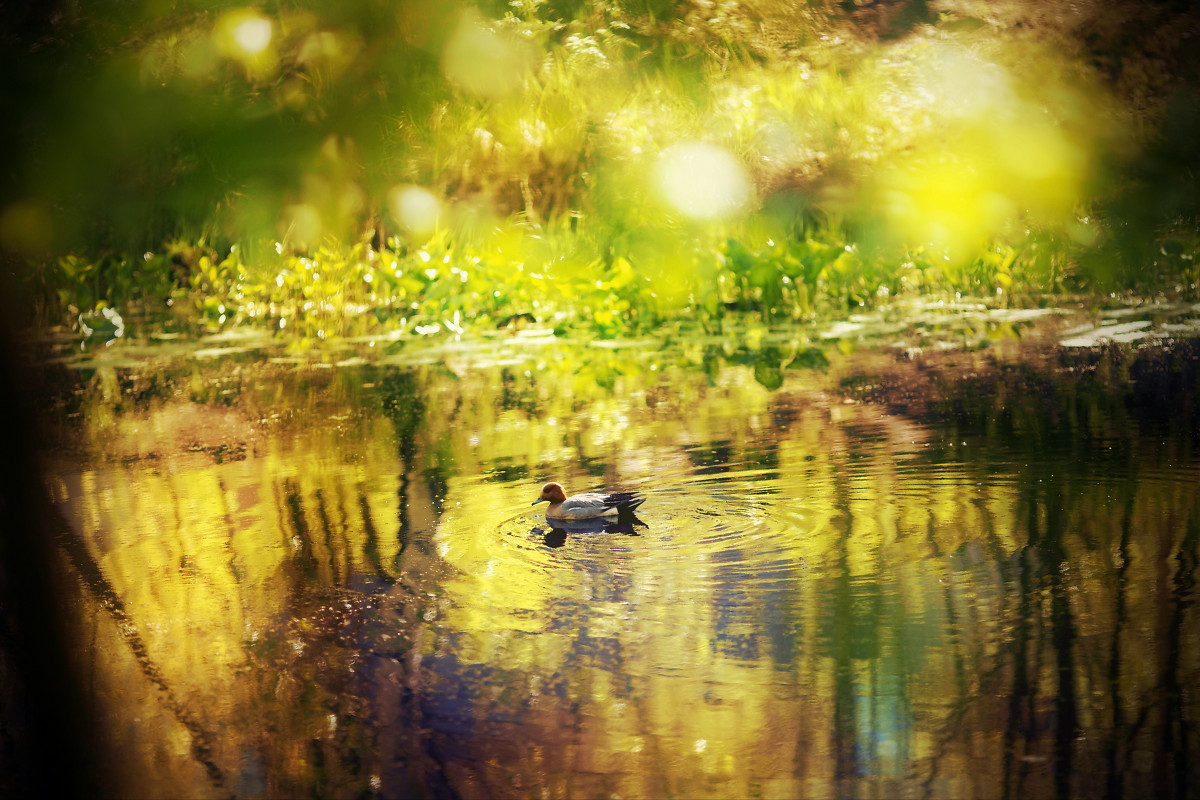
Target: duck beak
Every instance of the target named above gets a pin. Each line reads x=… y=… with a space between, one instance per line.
x=539 y=500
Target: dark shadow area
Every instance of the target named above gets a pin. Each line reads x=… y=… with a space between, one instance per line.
x=44 y=747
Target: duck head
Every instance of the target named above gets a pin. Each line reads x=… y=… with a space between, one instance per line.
x=551 y=493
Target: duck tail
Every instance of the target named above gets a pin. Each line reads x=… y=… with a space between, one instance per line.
x=626 y=503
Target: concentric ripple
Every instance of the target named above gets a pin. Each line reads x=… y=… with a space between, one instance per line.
x=739 y=518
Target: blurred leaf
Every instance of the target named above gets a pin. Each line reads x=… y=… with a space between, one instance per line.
x=810 y=358
x=767 y=368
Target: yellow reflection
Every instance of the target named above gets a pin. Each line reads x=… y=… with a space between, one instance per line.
x=831 y=588
x=703 y=181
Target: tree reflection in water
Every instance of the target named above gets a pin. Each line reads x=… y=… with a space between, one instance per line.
x=960 y=575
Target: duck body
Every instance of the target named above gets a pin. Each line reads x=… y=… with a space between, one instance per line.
x=588 y=505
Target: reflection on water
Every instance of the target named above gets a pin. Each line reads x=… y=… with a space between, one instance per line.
x=971 y=575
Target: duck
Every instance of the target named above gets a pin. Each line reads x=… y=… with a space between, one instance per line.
x=588 y=505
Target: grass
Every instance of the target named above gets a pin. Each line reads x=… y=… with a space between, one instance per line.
x=942 y=158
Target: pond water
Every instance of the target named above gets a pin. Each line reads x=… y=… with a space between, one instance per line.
x=949 y=561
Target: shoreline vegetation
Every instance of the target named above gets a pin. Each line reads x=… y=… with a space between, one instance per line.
x=598 y=168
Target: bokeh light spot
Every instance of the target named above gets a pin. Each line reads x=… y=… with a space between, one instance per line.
x=415 y=208
x=484 y=61
x=302 y=226
x=245 y=35
x=703 y=181
x=253 y=35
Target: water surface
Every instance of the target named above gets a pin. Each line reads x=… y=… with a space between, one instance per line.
x=901 y=568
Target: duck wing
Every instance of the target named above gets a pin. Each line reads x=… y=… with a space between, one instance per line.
x=624 y=501
x=595 y=504
x=583 y=506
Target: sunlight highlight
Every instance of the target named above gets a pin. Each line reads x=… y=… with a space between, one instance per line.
x=253 y=35
x=415 y=208
x=245 y=35
x=703 y=181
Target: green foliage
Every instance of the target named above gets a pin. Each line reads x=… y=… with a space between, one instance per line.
x=869 y=152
